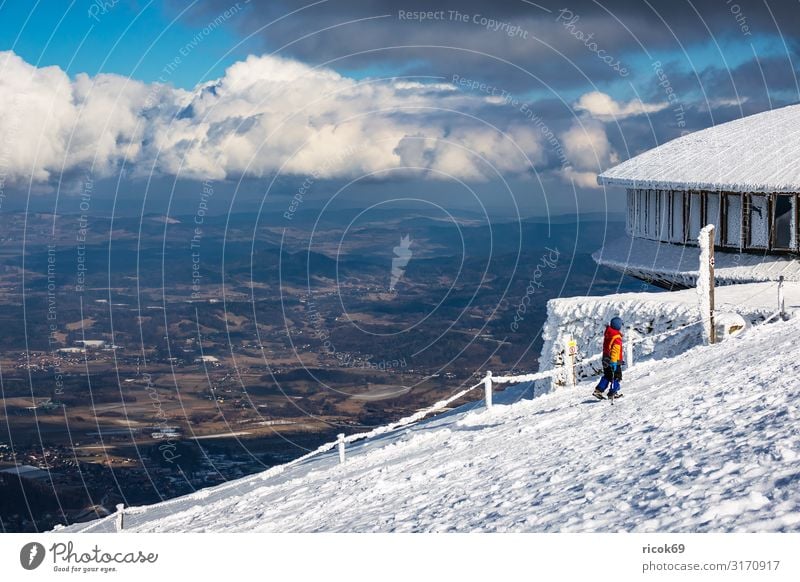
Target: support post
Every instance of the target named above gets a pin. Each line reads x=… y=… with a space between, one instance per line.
x=119 y=523
x=487 y=388
x=781 y=299
x=705 y=283
x=570 y=354
x=712 y=335
x=340 y=438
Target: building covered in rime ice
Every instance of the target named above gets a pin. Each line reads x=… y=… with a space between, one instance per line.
x=742 y=176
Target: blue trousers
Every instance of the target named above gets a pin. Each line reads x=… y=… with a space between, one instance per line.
x=611 y=376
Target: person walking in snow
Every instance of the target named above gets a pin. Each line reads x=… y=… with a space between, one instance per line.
x=612 y=360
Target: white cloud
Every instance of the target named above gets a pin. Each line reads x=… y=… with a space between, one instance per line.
x=49 y=122
x=446 y=154
x=586 y=144
x=588 y=151
x=581 y=179
x=603 y=107
x=265 y=114
x=711 y=104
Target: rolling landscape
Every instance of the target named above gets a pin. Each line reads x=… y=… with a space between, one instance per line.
x=147 y=360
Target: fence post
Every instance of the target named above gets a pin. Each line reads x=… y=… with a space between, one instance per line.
x=119 y=523
x=487 y=388
x=629 y=348
x=781 y=299
x=570 y=353
x=705 y=283
x=340 y=436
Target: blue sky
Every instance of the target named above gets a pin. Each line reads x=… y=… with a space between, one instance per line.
x=129 y=39
x=263 y=119
x=138 y=39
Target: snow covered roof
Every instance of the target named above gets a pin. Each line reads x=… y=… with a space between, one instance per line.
x=26 y=471
x=758 y=153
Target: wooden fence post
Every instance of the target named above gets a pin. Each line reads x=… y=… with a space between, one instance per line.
x=340 y=437
x=711 y=282
x=487 y=388
x=781 y=299
x=119 y=523
x=705 y=283
x=570 y=355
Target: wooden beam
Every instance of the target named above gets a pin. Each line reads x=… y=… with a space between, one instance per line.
x=713 y=331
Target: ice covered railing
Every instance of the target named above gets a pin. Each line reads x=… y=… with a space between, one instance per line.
x=117 y=521
x=125 y=515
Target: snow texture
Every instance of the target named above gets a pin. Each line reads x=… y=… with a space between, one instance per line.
x=703 y=281
x=752 y=154
x=678 y=264
x=708 y=442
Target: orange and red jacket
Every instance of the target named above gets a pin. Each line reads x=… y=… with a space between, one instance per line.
x=612 y=345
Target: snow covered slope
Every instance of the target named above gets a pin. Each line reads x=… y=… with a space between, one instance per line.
x=708 y=440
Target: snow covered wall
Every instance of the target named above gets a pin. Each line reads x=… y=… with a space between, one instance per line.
x=649 y=320
x=585 y=318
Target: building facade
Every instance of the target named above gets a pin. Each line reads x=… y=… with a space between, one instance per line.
x=744 y=222
x=742 y=176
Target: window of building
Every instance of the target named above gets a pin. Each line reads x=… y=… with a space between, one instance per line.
x=631 y=217
x=677 y=234
x=664 y=208
x=733 y=220
x=640 y=212
x=695 y=216
x=783 y=218
x=713 y=214
x=759 y=221
x=652 y=214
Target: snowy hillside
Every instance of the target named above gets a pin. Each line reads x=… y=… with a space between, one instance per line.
x=706 y=441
